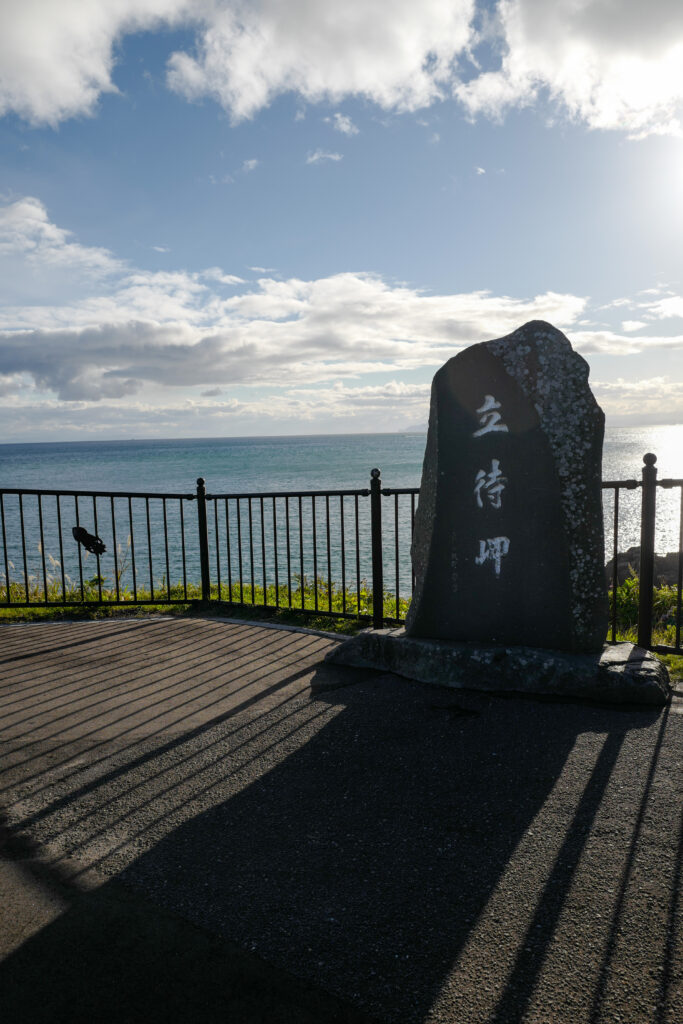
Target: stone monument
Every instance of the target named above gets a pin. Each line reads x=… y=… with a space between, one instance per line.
x=508 y=546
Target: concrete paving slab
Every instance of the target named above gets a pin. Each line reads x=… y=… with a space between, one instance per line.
x=196 y=792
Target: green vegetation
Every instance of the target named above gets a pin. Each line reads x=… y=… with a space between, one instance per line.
x=663 y=618
x=308 y=605
x=276 y=605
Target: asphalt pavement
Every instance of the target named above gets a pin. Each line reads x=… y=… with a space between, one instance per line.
x=201 y=820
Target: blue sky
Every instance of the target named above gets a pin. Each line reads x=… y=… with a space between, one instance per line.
x=231 y=218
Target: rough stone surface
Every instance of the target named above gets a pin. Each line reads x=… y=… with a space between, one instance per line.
x=620 y=674
x=508 y=544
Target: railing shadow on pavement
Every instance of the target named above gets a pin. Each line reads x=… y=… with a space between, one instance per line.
x=358 y=836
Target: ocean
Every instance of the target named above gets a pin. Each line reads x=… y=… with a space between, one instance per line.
x=238 y=465
x=279 y=463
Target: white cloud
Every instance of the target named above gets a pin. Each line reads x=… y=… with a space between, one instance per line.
x=176 y=329
x=342 y=123
x=160 y=248
x=321 y=155
x=250 y=165
x=663 y=309
x=56 y=58
x=26 y=233
x=608 y=342
x=480 y=170
x=294 y=350
x=611 y=65
x=651 y=399
x=396 y=53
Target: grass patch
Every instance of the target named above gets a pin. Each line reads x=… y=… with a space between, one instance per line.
x=664 y=607
x=311 y=603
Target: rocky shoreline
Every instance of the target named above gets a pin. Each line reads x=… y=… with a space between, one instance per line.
x=628 y=562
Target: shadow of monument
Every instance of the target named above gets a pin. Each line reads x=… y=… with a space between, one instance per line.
x=359 y=862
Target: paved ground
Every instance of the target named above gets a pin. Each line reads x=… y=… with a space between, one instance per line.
x=201 y=821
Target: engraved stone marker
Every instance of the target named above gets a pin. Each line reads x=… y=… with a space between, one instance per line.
x=508 y=545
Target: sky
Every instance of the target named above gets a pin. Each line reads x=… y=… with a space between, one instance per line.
x=259 y=217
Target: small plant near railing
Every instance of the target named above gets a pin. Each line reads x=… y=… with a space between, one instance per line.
x=664 y=604
x=664 y=608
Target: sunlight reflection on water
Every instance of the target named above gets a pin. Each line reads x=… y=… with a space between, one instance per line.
x=623 y=459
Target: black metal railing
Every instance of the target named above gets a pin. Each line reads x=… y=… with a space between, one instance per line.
x=343 y=553
x=44 y=564
x=300 y=550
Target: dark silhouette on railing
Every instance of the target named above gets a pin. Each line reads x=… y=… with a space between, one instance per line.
x=307 y=551
x=93 y=544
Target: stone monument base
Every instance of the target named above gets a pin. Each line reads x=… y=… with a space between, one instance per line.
x=621 y=674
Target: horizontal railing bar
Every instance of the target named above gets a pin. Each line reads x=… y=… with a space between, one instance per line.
x=666 y=482
x=98 y=604
x=97 y=494
x=400 y=490
x=362 y=492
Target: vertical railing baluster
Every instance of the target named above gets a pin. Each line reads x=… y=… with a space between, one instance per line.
x=80 y=559
x=647 y=549
x=4 y=549
x=116 y=554
x=203 y=533
x=132 y=550
x=289 y=555
x=277 y=577
x=357 y=557
x=168 y=566
x=99 y=574
x=228 y=546
x=149 y=550
x=301 y=550
x=263 y=554
x=23 y=547
x=42 y=546
x=218 y=554
x=396 y=552
x=343 y=553
x=182 y=547
x=615 y=572
x=251 y=553
x=315 y=554
x=680 y=574
x=61 y=549
x=376 y=534
x=329 y=557
x=412 y=534
x=239 y=549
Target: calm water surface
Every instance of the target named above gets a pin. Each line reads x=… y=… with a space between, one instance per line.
x=236 y=465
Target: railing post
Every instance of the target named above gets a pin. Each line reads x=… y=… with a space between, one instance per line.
x=647 y=549
x=376 y=532
x=203 y=539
